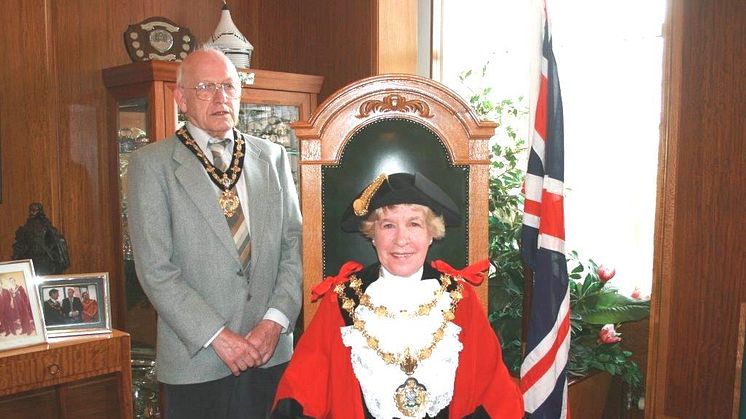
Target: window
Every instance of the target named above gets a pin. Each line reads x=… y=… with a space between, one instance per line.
x=610 y=72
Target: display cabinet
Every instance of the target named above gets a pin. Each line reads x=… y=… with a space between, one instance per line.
x=76 y=377
x=143 y=110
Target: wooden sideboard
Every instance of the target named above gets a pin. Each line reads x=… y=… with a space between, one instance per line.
x=75 y=377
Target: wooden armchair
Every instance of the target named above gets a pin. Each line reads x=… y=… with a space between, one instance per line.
x=390 y=123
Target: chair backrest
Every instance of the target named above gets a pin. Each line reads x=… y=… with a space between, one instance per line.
x=387 y=124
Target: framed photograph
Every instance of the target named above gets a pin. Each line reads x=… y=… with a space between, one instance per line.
x=75 y=304
x=20 y=311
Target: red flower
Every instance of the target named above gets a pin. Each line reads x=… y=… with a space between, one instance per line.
x=635 y=293
x=605 y=273
x=608 y=334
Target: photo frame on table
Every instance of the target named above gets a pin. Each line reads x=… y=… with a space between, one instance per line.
x=75 y=304
x=21 y=321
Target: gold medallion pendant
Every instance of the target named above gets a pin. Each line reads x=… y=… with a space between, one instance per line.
x=228 y=202
x=410 y=397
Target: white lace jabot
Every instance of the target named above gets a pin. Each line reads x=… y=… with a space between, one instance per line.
x=378 y=380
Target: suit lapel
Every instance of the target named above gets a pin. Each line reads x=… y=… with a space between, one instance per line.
x=195 y=182
x=256 y=176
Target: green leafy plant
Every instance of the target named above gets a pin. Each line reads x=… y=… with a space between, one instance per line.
x=505 y=216
x=597 y=308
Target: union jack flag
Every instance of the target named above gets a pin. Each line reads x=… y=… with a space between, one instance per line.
x=543 y=376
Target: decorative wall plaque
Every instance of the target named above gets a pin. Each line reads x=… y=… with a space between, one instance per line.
x=157 y=38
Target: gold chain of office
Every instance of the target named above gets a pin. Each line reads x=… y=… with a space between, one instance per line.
x=381 y=311
x=224 y=180
x=407 y=361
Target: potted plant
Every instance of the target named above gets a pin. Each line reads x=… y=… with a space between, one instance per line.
x=597 y=309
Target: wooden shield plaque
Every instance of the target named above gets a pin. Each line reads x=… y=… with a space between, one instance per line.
x=158 y=38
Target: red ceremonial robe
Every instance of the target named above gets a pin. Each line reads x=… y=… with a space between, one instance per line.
x=23 y=305
x=320 y=383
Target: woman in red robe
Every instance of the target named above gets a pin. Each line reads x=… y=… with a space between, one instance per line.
x=402 y=337
x=8 y=313
x=22 y=307
x=90 y=308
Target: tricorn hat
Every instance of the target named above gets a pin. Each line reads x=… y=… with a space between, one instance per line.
x=400 y=188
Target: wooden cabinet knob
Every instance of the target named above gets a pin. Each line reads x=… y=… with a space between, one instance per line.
x=54 y=369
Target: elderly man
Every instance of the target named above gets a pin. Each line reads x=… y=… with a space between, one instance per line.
x=215 y=228
x=72 y=307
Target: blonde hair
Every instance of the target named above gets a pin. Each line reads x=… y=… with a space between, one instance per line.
x=436 y=226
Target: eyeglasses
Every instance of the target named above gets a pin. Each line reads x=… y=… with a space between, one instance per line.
x=207 y=90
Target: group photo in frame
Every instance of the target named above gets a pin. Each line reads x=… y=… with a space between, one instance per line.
x=20 y=310
x=75 y=304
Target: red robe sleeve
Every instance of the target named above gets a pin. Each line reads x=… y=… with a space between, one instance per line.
x=481 y=377
x=319 y=381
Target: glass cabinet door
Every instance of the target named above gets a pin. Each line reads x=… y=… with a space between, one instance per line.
x=272 y=122
x=133 y=132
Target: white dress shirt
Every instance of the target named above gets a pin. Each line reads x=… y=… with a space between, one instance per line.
x=202 y=138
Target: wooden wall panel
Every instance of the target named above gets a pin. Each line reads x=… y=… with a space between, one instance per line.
x=332 y=38
x=701 y=254
x=278 y=46
x=81 y=138
x=396 y=49
x=340 y=39
x=349 y=47
x=28 y=141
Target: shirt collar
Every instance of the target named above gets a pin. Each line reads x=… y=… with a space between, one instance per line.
x=202 y=137
x=388 y=276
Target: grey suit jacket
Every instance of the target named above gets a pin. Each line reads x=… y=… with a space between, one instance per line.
x=188 y=264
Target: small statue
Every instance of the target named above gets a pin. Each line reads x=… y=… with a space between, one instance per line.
x=39 y=241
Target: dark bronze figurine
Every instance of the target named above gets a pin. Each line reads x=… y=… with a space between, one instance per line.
x=39 y=241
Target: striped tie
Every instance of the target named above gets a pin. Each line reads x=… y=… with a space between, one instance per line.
x=237 y=223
